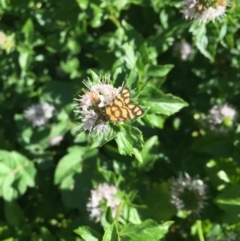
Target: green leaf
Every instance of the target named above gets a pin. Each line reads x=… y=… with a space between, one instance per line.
x=148 y=230
x=132 y=78
x=229 y=201
x=229 y=196
x=4 y=4
x=46 y=235
x=13 y=213
x=131 y=214
x=130 y=141
x=69 y=164
x=205 y=38
x=94 y=78
x=71 y=66
x=162 y=209
x=107 y=219
x=101 y=139
x=25 y=58
x=154 y=120
x=111 y=233
x=150 y=152
x=165 y=104
x=88 y=234
x=17 y=173
x=129 y=57
x=28 y=30
x=158 y=70
x=96 y=15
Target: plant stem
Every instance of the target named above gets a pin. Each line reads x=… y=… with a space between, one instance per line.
x=200 y=231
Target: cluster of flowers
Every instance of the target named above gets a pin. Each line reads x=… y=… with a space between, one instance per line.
x=91 y=106
x=183 y=50
x=39 y=115
x=101 y=198
x=186 y=194
x=204 y=11
x=221 y=118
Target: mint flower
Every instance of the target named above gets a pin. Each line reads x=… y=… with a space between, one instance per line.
x=183 y=50
x=102 y=197
x=91 y=106
x=220 y=118
x=188 y=193
x=219 y=113
x=39 y=114
x=204 y=11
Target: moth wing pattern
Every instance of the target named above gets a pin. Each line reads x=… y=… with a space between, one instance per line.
x=120 y=108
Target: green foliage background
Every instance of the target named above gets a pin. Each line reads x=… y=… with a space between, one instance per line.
x=57 y=44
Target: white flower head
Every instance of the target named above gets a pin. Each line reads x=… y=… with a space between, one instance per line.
x=221 y=118
x=91 y=106
x=39 y=114
x=183 y=49
x=219 y=113
x=188 y=193
x=204 y=11
x=101 y=198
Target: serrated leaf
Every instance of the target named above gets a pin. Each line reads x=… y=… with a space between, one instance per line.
x=107 y=219
x=129 y=140
x=158 y=70
x=96 y=16
x=150 y=152
x=28 y=30
x=17 y=173
x=129 y=56
x=69 y=164
x=131 y=214
x=148 y=230
x=205 y=38
x=7 y=190
x=165 y=104
x=154 y=120
x=24 y=59
x=88 y=234
x=111 y=233
x=101 y=139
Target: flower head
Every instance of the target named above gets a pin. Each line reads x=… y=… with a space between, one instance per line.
x=39 y=114
x=188 y=193
x=204 y=11
x=91 y=106
x=101 y=198
x=220 y=118
x=182 y=49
